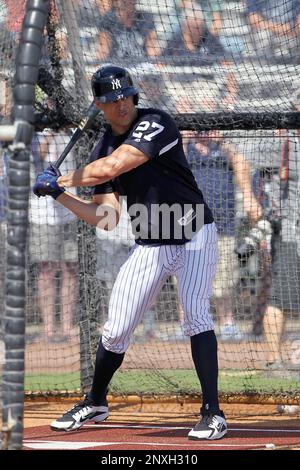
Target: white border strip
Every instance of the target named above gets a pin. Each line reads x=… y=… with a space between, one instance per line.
x=77 y=445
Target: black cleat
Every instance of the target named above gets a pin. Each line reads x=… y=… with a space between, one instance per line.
x=210 y=426
x=83 y=412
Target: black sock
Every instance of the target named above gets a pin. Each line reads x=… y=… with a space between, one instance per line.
x=204 y=352
x=107 y=363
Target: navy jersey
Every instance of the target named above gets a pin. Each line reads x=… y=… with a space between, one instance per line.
x=163 y=200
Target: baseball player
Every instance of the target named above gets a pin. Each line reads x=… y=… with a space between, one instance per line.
x=141 y=157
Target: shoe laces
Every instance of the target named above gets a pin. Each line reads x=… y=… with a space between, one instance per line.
x=81 y=404
x=214 y=421
x=208 y=418
x=211 y=420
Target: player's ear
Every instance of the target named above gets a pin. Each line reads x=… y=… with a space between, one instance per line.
x=98 y=104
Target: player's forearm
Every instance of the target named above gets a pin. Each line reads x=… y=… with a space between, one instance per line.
x=243 y=180
x=94 y=173
x=216 y=24
x=79 y=178
x=103 y=216
x=258 y=22
x=242 y=175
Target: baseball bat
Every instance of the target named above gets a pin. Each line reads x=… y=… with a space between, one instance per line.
x=83 y=125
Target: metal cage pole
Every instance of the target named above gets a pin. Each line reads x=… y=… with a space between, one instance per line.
x=26 y=76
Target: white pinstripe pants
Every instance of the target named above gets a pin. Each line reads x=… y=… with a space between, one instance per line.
x=144 y=273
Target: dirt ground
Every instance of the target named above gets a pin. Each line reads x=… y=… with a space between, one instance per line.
x=158 y=425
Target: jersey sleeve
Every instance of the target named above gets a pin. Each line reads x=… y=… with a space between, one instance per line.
x=154 y=134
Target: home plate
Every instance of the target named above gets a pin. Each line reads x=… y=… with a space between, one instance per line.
x=63 y=445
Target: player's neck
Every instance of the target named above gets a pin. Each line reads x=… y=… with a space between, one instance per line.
x=120 y=129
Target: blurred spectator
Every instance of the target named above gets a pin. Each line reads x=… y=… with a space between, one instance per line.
x=275 y=27
x=217 y=169
x=53 y=245
x=215 y=12
x=285 y=251
x=15 y=12
x=14 y=16
x=195 y=45
x=167 y=20
x=152 y=91
x=12 y=26
x=133 y=34
x=57 y=49
x=94 y=18
x=276 y=158
x=209 y=10
x=194 y=40
x=262 y=149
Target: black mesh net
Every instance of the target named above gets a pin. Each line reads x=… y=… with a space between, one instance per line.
x=228 y=71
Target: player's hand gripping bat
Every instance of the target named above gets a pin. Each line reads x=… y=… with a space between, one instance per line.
x=42 y=187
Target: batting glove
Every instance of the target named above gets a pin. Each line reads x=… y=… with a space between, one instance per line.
x=46 y=184
x=52 y=170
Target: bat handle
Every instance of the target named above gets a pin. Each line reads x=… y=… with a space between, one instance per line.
x=60 y=160
x=83 y=125
x=70 y=145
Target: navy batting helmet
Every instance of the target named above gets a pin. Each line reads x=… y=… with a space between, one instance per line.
x=111 y=83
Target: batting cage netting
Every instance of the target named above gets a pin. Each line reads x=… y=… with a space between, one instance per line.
x=228 y=71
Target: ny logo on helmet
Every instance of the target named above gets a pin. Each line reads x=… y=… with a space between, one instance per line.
x=116 y=84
